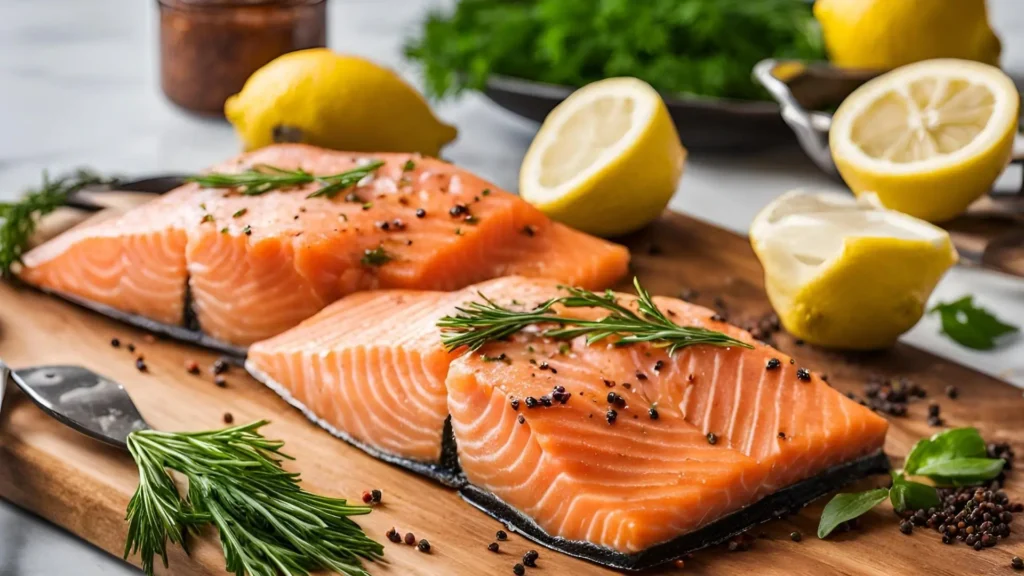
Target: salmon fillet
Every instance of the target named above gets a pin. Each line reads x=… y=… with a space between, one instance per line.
x=255 y=266
x=730 y=426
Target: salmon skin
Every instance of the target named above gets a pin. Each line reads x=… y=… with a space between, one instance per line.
x=623 y=455
x=243 y=268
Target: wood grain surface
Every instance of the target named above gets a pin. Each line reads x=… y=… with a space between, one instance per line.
x=84 y=486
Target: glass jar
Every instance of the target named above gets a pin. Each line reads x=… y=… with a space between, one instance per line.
x=209 y=48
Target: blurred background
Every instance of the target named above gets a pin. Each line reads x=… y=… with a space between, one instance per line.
x=80 y=85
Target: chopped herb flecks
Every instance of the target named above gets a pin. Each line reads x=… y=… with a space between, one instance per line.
x=375 y=257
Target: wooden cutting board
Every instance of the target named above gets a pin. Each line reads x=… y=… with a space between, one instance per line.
x=84 y=486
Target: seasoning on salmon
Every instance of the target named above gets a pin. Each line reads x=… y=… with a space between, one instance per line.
x=623 y=471
x=253 y=270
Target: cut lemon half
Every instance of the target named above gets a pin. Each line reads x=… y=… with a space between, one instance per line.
x=928 y=138
x=846 y=273
x=606 y=160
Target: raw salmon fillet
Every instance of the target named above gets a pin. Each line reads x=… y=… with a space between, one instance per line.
x=254 y=266
x=625 y=480
x=372 y=368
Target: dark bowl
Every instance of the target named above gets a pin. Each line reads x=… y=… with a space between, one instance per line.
x=707 y=124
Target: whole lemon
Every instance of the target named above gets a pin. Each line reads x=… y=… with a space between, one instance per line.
x=885 y=34
x=342 y=102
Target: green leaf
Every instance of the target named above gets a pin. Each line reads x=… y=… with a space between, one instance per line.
x=963 y=471
x=971 y=326
x=844 y=507
x=948 y=445
x=909 y=495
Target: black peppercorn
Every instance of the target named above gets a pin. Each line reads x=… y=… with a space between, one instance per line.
x=530 y=558
x=423 y=546
x=712 y=438
x=531 y=402
x=773 y=364
x=394 y=536
x=115 y=342
x=515 y=403
x=493 y=546
x=803 y=375
x=220 y=367
x=906 y=527
x=518 y=570
x=795 y=536
x=420 y=213
x=610 y=416
x=140 y=365
x=376 y=495
x=952 y=392
x=1017 y=563
x=501 y=535
x=653 y=413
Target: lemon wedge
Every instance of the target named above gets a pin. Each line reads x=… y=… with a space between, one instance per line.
x=845 y=273
x=928 y=138
x=607 y=160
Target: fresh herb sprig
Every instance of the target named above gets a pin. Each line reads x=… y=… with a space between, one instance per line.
x=955 y=457
x=971 y=326
x=263 y=178
x=268 y=524
x=479 y=322
x=18 y=219
x=704 y=47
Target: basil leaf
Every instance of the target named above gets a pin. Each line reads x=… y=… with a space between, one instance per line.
x=944 y=446
x=963 y=471
x=970 y=325
x=908 y=495
x=845 y=507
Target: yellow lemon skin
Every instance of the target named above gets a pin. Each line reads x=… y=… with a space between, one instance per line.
x=335 y=101
x=937 y=195
x=632 y=190
x=875 y=291
x=885 y=34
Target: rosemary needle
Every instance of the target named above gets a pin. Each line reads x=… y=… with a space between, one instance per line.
x=268 y=524
x=18 y=219
x=263 y=178
x=479 y=322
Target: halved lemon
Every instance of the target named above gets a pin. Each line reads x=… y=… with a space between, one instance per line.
x=928 y=138
x=846 y=273
x=606 y=160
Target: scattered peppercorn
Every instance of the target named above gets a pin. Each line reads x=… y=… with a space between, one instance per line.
x=518 y=570
x=220 y=382
x=974 y=515
x=531 y=402
x=641 y=376
x=366 y=497
x=501 y=535
x=394 y=536
x=192 y=367
x=421 y=213
x=493 y=546
x=952 y=392
x=514 y=403
x=458 y=210
x=529 y=231
x=423 y=546
x=410 y=538
x=521 y=419
x=1017 y=563
x=712 y=438
x=658 y=366
x=773 y=364
x=803 y=375
x=610 y=416
x=140 y=365
x=228 y=418
x=220 y=366
x=115 y=342
x=545 y=400
x=376 y=495
x=906 y=527
x=653 y=413
x=530 y=558
x=795 y=536
x=131 y=347
x=782 y=435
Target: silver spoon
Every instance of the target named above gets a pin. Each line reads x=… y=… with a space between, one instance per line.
x=80 y=399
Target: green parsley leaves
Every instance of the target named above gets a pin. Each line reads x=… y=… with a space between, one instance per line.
x=971 y=326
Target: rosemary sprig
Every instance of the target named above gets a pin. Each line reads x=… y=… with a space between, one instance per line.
x=268 y=524
x=263 y=178
x=479 y=322
x=18 y=219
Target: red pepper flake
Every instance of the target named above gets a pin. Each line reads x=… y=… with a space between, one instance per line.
x=366 y=497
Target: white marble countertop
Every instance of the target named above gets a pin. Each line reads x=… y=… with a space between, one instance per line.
x=79 y=87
